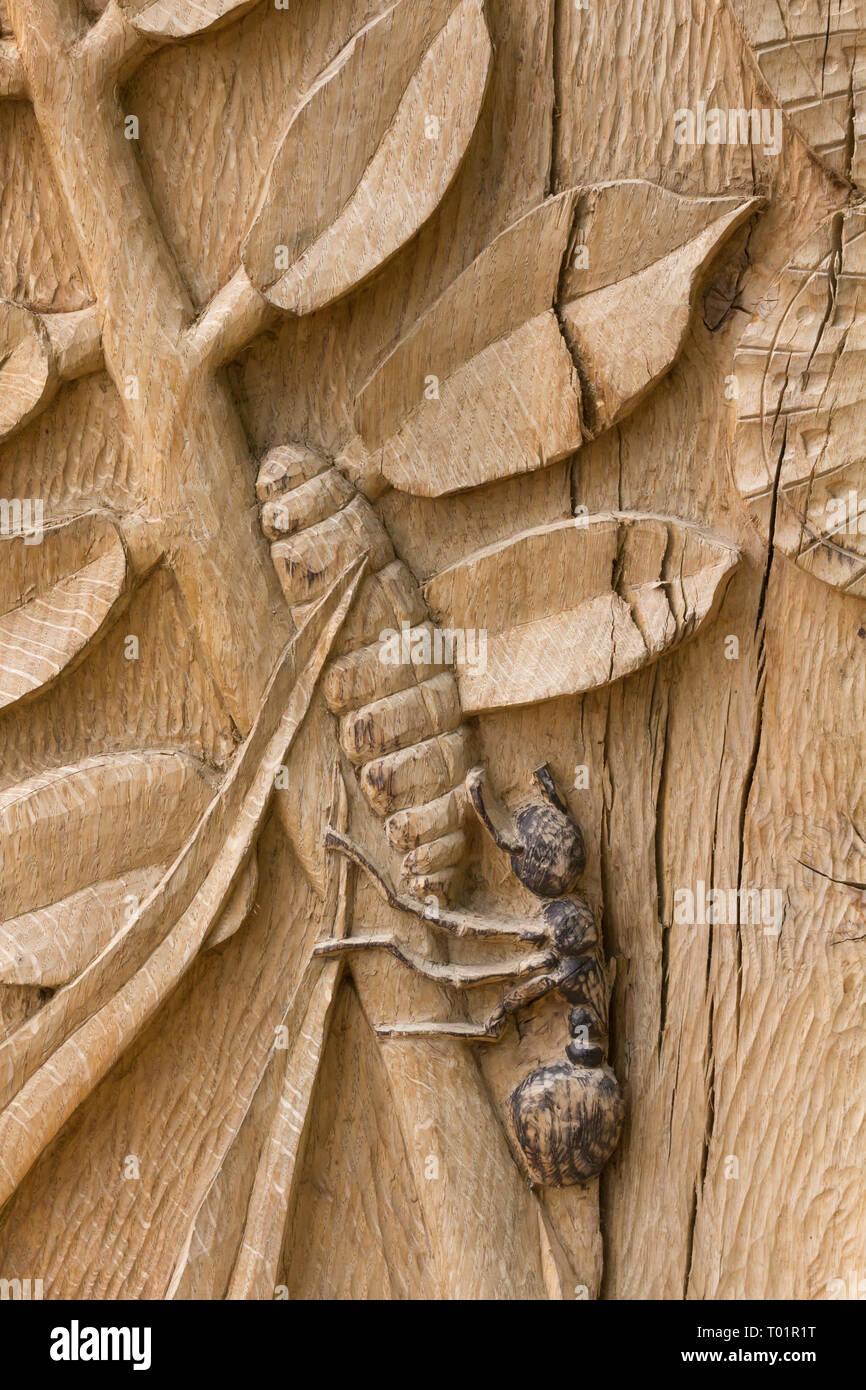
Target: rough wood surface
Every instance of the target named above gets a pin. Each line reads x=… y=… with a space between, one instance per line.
x=620 y=590
x=813 y=56
x=387 y=392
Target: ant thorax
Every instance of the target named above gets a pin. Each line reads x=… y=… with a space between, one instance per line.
x=571 y=925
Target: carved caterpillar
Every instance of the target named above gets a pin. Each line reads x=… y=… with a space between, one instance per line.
x=400 y=725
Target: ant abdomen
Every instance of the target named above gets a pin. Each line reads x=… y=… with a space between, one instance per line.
x=567 y=1116
x=567 y=1121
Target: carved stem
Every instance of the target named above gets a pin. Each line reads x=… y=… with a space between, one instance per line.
x=191 y=460
x=112 y=47
x=76 y=342
x=235 y=315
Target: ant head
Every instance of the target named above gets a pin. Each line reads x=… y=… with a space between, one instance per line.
x=554 y=856
x=572 y=925
x=545 y=844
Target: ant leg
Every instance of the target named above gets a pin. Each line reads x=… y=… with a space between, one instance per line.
x=489 y=1031
x=543 y=779
x=492 y=814
x=445 y=972
x=462 y=922
x=335 y=839
x=531 y=990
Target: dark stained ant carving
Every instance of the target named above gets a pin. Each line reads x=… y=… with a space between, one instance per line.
x=567 y=1116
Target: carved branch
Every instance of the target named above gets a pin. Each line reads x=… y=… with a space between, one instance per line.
x=189 y=449
x=113 y=47
x=234 y=317
x=76 y=342
x=39 y=352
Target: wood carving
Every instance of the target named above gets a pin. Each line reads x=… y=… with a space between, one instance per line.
x=39 y=351
x=813 y=57
x=566 y=1117
x=400 y=725
x=622 y=590
x=411 y=70
x=363 y=446
x=533 y=373
x=60 y=589
x=800 y=405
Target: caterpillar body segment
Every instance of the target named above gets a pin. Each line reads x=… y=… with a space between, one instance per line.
x=397 y=705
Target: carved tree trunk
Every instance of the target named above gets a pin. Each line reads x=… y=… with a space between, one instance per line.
x=431 y=649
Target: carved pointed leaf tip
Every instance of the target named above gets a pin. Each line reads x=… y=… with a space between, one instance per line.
x=578 y=309
x=180 y=19
x=620 y=590
x=86 y=1027
x=390 y=121
x=58 y=588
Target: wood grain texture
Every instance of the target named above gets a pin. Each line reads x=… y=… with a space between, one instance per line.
x=621 y=590
x=424 y=85
x=558 y=377
x=703 y=711
x=69 y=593
x=179 y=21
x=799 y=372
x=813 y=57
x=536 y=368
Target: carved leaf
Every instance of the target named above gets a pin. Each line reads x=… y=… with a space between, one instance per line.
x=302 y=805
x=179 y=19
x=799 y=458
x=626 y=314
x=291 y=1070
x=49 y=947
x=86 y=1026
x=95 y=809
x=384 y=128
x=239 y=905
x=257 y=1262
x=508 y=390
x=512 y=338
x=813 y=57
x=26 y=382
x=619 y=589
x=55 y=595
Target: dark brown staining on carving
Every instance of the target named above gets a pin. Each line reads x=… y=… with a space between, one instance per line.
x=572 y=926
x=585 y=984
x=567 y=1120
x=585 y=1054
x=589 y=1040
x=584 y=1022
x=554 y=856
